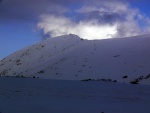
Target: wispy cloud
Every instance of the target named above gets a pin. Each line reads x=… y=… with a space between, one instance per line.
x=90 y=29
x=107 y=19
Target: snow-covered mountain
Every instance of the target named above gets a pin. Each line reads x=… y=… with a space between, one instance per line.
x=69 y=57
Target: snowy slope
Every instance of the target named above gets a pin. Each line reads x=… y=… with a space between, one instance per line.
x=50 y=96
x=69 y=57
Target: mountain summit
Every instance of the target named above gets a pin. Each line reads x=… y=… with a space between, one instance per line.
x=69 y=57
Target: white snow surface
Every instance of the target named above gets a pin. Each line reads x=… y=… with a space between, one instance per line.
x=69 y=57
x=26 y=95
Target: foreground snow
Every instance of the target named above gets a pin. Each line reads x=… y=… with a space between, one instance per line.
x=18 y=95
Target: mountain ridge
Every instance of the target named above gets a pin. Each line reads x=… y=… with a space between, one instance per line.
x=69 y=57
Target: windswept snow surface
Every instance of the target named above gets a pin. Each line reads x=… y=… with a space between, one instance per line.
x=69 y=57
x=18 y=95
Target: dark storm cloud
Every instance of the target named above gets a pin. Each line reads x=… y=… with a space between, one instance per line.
x=31 y=9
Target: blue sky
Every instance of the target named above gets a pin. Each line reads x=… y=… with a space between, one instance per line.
x=14 y=36
x=23 y=23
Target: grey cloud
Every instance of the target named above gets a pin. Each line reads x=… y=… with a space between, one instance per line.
x=104 y=17
x=105 y=11
x=96 y=14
